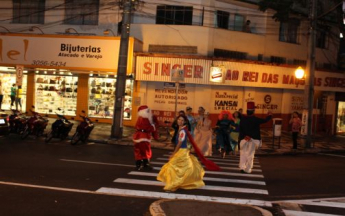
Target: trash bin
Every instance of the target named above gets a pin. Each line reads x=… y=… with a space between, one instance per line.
x=277 y=127
x=277 y=130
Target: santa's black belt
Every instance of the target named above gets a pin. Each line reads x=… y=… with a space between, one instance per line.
x=141 y=130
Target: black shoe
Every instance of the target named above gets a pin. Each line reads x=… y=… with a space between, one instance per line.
x=242 y=171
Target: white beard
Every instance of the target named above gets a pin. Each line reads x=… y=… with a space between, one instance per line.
x=146 y=113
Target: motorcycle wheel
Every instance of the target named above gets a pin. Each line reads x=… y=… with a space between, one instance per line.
x=25 y=133
x=49 y=136
x=76 y=138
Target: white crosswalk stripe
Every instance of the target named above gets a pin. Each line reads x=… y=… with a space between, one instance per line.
x=229 y=182
x=295 y=207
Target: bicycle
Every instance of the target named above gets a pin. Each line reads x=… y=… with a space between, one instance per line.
x=165 y=132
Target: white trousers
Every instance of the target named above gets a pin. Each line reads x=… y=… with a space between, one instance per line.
x=247 y=152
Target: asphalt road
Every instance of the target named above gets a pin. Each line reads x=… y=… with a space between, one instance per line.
x=59 y=179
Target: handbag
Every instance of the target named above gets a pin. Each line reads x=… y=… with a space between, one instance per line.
x=234 y=136
x=39 y=80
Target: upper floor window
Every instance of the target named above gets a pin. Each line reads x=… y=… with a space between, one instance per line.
x=288 y=31
x=321 y=36
x=223 y=19
x=28 y=12
x=81 y=12
x=176 y=15
x=239 y=22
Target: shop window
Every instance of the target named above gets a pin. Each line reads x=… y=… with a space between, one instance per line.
x=229 y=54
x=28 y=12
x=239 y=22
x=223 y=19
x=81 y=12
x=54 y=92
x=341 y=118
x=102 y=97
x=7 y=80
x=175 y=15
x=288 y=31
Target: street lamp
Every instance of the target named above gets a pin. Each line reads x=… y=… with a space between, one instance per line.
x=299 y=74
x=68 y=31
x=35 y=27
x=107 y=31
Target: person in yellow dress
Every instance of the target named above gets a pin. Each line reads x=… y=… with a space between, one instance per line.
x=183 y=170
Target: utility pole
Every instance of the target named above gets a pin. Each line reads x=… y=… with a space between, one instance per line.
x=309 y=87
x=117 y=127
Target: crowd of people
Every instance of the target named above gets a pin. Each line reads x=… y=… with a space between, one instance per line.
x=234 y=132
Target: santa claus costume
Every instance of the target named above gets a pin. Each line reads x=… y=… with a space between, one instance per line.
x=142 y=138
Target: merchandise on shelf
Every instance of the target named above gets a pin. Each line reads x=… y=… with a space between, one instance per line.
x=54 y=92
x=102 y=97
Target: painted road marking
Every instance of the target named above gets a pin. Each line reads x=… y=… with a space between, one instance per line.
x=214 y=159
x=206 y=178
x=165 y=195
x=206 y=187
x=333 y=155
x=98 y=163
x=227 y=173
x=230 y=164
x=318 y=203
x=300 y=213
x=223 y=168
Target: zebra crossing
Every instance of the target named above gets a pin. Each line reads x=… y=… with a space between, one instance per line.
x=225 y=186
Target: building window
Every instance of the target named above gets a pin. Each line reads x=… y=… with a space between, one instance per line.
x=321 y=36
x=223 y=19
x=239 y=22
x=299 y=62
x=229 y=54
x=278 y=60
x=175 y=15
x=28 y=12
x=81 y=12
x=288 y=31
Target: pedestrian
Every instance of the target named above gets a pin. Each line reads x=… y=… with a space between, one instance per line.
x=19 y=94
x=223 y=133
x=1 y=95
x=250 y=137
x=201 y=112
x=203 y=135
x=13 y=94
x=296 y=124
x=174 y=125
x=183 y=169
x=191 y=119
x=235 y=132
x=142 y=138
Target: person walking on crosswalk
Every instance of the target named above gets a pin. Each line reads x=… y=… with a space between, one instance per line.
x=183 y=170
x=250 y=138
x=142 y=138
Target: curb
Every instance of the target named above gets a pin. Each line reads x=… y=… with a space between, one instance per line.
x=156 y=209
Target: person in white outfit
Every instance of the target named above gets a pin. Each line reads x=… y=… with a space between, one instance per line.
x=203 y=135
x=250 y=138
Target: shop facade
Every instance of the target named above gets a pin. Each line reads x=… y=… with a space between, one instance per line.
x=272 y=88
x=70 y=73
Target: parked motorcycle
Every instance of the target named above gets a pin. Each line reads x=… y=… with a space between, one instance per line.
x=17 y=122
x=83 y=130
x=4 y=127
x=60 y=128
x=35 y=125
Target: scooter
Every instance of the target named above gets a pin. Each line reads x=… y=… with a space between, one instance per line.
x=17 y=122
x=60 y=128
x=35 y=125
x=83 y=130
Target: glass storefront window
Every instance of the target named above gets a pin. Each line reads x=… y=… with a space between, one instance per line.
x=102 y=97
x=7 y=80
x=341 y=118
x=54 y=92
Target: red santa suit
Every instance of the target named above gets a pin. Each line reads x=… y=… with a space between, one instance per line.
x=142 y=137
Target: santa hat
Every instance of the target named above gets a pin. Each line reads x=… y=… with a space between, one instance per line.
x=143 y=107
x=251 y=105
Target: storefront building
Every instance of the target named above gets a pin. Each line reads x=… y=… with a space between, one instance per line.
x=73 y=73
x=272 y=88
